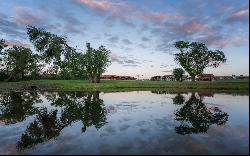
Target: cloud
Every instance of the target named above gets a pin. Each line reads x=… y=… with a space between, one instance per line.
x=114 y=39
x=11 y=43
x=123 y=12
x=9 y=28
x=126 y=41
x=97 y=4
x=142 y=46
x=124 y=61
x=145 y=39
x=165 y=66
x=68 y=21
x=241 y=15
x=157 y=17
x=26 y=16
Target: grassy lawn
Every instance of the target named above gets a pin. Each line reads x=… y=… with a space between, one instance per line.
x=77 y=85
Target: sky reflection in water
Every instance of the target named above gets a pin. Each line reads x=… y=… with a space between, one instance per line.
x=139 y=122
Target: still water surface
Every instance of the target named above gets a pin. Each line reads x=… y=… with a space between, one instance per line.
x=138 y=122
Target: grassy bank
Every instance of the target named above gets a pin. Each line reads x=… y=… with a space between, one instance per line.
x=78 y=85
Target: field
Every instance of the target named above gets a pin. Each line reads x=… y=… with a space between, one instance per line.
x=79 y=85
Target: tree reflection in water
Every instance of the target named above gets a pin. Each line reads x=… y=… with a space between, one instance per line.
x=73 y=106
x=196 y=117
x=16 y=106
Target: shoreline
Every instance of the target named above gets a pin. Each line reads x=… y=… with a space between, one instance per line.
x=123 y=85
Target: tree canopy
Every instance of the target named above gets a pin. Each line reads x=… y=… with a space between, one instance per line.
x=18 y=62
x=67 y=62
x=178 y=74
x=96 y=62
x=195 y=57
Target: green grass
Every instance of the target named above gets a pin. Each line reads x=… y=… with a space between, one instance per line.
x=78 y=85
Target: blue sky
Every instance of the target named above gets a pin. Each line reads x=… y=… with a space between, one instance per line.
x=139 y=33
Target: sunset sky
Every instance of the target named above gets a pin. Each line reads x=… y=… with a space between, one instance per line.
x=139 y=33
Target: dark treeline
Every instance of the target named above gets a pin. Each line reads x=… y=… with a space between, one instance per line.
x=53 y=59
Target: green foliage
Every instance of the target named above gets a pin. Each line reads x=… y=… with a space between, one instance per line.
x=196 y=117
x=178 y=74
x=67 y=63
x=18 y=62
x=2 y=44
x=96 y=62
x=51 y=46
x=195 y=57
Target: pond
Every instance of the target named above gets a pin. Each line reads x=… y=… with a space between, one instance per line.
x=136 y=122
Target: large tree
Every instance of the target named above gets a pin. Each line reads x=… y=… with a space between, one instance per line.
x=67 y=63
x=96 y=62
x=195 y=57
x=18 y=62
x=178 y=74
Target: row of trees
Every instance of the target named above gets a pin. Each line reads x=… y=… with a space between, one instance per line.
x=194 y=58
x=54 y=59
x=63 y=61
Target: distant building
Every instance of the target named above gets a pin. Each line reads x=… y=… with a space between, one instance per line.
x=156 y=78
x=224 y=78
x=241 y=77
x=205 y=77
x=233 y=77
x=115 y=77
x=168 y=77
x=109 y=77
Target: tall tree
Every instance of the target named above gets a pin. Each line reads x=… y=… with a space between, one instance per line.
x=178 y=74
x=96 y=62
x=195 y=57
x=67 y=63
x=18 y=62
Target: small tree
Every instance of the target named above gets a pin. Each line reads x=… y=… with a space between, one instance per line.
x=96 y=62
x=195 y=57
x=178 y=74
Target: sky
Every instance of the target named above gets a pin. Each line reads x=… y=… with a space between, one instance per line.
x=139 y=33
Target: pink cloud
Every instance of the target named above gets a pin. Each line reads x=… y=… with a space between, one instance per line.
x=25 y=15
x=123 y=11
x=155 y=16
x=11 y=43
x=241 y=13
x=193 y=26
x=96 y=4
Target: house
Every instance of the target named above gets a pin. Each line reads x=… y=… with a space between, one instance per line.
x=115 y=77
x=168 y=77
x=109 y=77
x=205 y=77
x=156 y=78
x=241 y=77
x=224 y=78
x=126 y=78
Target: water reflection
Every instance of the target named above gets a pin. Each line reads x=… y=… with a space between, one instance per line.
x=16 y=106
x=67 y=122
x=195 y=116
x=75 y=106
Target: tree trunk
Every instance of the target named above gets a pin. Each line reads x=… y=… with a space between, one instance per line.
x=193 y=78
x=96 y=79
x=22 y=75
